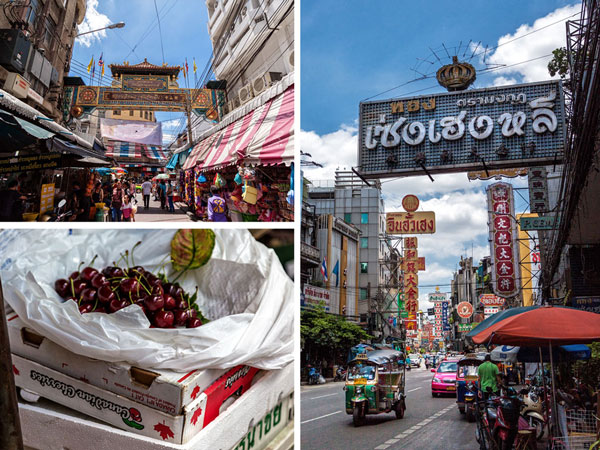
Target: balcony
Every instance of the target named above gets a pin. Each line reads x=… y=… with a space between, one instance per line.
x=310 y=254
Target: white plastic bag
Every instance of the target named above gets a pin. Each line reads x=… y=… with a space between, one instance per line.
x=243 y=290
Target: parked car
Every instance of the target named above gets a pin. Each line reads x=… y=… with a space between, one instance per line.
x=444 y=378
x=415 y=360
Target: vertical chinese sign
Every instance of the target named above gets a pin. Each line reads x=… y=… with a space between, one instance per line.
x=440 y=303
x=411 y=284
x=503 y=239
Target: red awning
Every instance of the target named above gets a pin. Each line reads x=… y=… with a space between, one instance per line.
x=264 y=136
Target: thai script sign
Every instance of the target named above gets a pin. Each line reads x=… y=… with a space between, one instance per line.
x=315 y=296
x=497 y=174
x=465 y=327
x=410 y=223
x=439 y=299
x=491 y=300
x=591 y=304
x=508 y=126
x=503 y=239
x=30 y=162
x=538 y=223
x=464 y=310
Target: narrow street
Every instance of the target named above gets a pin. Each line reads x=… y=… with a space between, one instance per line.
x=429 y=422
x=156 y=214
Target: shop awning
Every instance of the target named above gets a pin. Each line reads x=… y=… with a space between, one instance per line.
x=264 y=136
x=178 y=158
x=133 y=150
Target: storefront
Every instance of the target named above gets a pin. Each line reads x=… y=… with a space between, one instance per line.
x=248 y=157
x=45 y=158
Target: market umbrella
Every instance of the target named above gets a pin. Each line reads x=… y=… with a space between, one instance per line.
x=495 y=318
x=118 y=170
x=539 y=326
x=161 y=176
x=509 y=353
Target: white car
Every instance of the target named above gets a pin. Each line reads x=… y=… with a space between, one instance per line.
x=415 y=360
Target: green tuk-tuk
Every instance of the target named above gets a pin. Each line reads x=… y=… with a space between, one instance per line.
x=375 y=384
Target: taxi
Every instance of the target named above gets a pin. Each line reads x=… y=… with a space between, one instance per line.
x=444 y=378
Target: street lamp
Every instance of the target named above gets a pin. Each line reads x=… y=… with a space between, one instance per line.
x=111 y=26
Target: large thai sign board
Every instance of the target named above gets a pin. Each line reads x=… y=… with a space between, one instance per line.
x=503 y=240
x=439 y=299
x=508 y=126
x=410 y=222
x=316 y=297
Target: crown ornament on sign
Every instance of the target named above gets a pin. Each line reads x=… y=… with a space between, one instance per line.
x=457 y=76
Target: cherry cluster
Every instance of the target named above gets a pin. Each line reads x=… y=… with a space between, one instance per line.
x=165 y=304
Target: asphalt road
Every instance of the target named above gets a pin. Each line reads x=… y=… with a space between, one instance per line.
x=428 y=423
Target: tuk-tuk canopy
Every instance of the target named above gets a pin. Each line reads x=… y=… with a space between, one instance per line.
x=381 y=357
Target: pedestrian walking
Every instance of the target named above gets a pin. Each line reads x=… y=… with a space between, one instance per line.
x=170 y=197
x=146 y=191
x=126 y=209
x=489 y=376
x=117 y=202
x=162 y=188
x=216 y=206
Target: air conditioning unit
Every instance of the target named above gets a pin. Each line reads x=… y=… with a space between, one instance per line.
x=231 y=105
x=16 y=85
x=245 y=93
x=14 y=50
x=236 y=103
x=261 y=83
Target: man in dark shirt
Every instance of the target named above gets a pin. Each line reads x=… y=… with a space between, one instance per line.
x=11 y=205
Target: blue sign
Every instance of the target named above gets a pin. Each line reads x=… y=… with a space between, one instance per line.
x=445 y=324
x=591 y=304
x=508 y=126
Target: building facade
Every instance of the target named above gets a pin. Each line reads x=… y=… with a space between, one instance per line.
x=36 y=44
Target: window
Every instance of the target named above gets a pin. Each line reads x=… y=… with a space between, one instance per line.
x=116 y=112
x=364 y=267
x=364 y=242
x=348 y=217
x=363 y=293
x=146 y=115
x=49 y=33
x=131 y=113
x=364 y=218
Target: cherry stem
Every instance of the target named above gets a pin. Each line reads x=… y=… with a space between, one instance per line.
x=132 y=249
x=80 y=264
x=96 y=304
x=72 y=287
x=130 y=299
x=93 y=259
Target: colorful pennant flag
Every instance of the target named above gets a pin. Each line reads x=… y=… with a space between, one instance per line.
x=195 y=67
x=89 y=67
x=324 y=270
x=101 y=64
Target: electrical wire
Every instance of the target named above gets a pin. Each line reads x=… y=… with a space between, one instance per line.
x=160 y=32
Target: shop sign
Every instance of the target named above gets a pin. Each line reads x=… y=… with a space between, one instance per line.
x=430 y=311
x=35 y=96
x=464 y=327
x=539 y=223
x=591 y=304
x=412 y=265
x=445 y=323
x=490 y=311
x=410 y=203
x=503 y=239
x=411 y=242
x=410 y=222
x=491 y=300
x=404 y=314
x=438 y=297
x=316 y=296
x=33 y=162
x=464 y=310
x=47 y=198
x=508 y=126
x=538 y=190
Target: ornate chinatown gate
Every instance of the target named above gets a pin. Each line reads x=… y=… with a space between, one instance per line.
x=144 y=86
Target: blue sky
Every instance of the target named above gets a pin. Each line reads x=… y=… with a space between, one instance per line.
x=354 y=50
x=184 y=34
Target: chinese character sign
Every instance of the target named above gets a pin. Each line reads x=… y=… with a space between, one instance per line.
x=509 y=126
x=503 y=239
x=440 y=304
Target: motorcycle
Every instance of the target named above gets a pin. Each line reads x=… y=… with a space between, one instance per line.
x=58 y=215
x=499 y=422
x=313 y=376
x=340 y=374
x=532 y=410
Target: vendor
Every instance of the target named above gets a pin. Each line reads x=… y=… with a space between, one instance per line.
x=11 y=203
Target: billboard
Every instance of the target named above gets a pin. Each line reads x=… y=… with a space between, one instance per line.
x=509 y=126
x=316 y=296
x=410 y=222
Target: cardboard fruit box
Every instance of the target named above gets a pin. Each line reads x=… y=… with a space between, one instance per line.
x=126 y=413
x=164 y=390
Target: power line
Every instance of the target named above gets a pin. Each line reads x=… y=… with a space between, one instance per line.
x=160 y=33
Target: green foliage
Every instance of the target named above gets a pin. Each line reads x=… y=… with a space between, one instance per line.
x=559 y=64
x=324 y=336
x=589 y=371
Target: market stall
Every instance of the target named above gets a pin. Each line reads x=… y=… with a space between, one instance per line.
x=248 y=157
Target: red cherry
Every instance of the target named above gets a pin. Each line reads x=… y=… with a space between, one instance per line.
x=79 y=286
x=181 y=304
x=99 y=280
x=193 y=322
x=164 y=319
x=86 y=308
x=192 y=312
x=100 y=309
x=88 y=273
x=117 y=304
x=71 y=298
x=63 y=287
x=181 y=317
x=74 y=275
x=154 y=302
x=129 y=285
x=105 y=294
x=157 y=289
x=88 y=295
x=169 y=302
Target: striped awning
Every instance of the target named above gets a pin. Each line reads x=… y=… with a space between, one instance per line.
x=133 y=150
x=264 y=136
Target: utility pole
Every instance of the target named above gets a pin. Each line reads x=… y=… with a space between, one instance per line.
x=10 y=425
x=188 y=112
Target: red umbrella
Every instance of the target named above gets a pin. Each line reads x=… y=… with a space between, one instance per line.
x=542 y=326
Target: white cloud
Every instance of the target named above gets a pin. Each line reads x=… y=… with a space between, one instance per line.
x=93 y=20
x=532 y=46
x=503 y=81
x=333 y=150
x=172 y=124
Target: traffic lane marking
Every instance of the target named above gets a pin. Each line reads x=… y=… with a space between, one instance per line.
x=414 y=428
x=323 y=396
x=415 y=389
x=321 y=417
